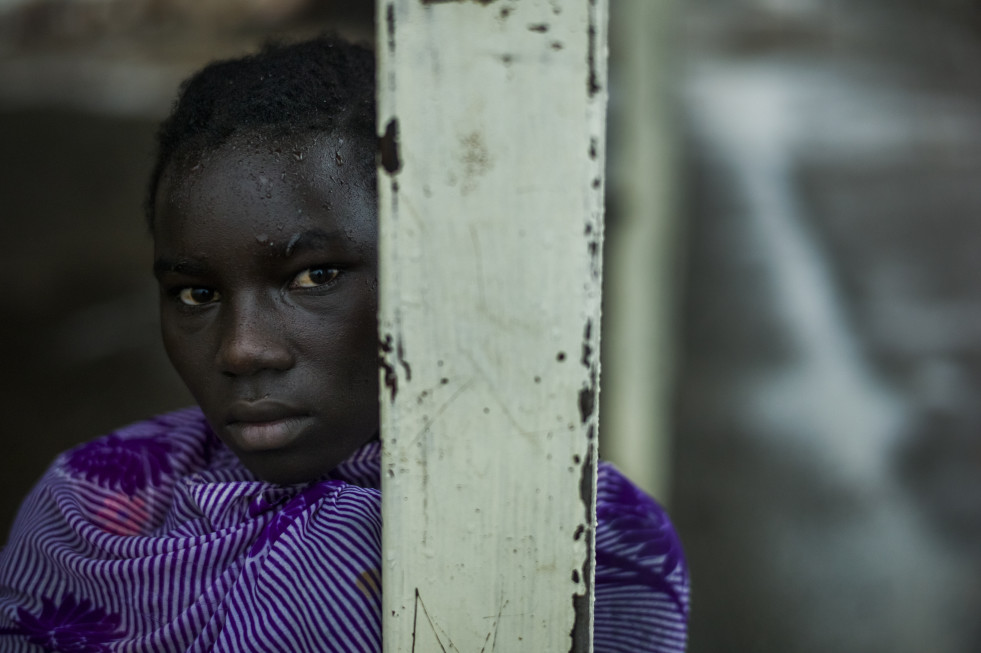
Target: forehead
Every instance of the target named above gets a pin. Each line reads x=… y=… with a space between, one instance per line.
x=258 y=179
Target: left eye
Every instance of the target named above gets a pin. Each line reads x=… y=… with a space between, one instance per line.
x=315 y=277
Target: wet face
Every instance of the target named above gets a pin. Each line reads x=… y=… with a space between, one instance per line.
x=266 y=255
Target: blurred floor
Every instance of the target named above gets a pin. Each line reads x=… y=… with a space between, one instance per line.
x=827 y=477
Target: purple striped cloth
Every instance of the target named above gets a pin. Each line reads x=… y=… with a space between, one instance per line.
x=155 y=538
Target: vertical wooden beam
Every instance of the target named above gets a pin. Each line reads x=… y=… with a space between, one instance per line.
x=642 y=247
x=490 y=193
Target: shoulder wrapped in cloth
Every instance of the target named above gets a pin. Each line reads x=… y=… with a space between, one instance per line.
x=155 y=538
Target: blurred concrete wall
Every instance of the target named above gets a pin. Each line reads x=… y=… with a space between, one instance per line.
x=827 y=475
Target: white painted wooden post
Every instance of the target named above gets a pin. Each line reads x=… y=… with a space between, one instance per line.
x=642 y=250
x=491 y=188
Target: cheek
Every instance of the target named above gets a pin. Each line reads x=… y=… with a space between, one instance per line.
x=186 y=350
x=347 y=347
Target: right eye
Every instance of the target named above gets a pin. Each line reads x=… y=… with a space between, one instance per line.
x=197 y=296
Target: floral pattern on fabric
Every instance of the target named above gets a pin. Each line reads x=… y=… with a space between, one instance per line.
x=71 y=626
x=222 y=561
x=287 y=514
x=123 y=515
x=124 y=464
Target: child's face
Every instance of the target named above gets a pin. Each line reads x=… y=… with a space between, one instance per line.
x=266 y=254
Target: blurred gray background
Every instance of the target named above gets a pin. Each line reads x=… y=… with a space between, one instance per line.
x=826 y=466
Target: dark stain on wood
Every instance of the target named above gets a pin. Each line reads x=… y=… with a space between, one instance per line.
x=581 y=600
x=587 y=349
x=592 y=79
x=390 y=25
x=587 y=401
x=391 y=378
x=400 y=356
x=388 y=146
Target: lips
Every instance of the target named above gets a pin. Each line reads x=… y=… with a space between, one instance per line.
x=264 y=425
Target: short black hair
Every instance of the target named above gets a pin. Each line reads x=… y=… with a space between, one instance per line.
x=322 y=85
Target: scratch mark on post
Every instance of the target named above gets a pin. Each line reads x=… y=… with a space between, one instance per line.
x=479 y=264
x=415 y=623
x=428 y=422
x=497 y=625
x=503 y=405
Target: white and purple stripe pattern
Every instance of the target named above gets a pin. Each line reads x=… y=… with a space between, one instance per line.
x=156 y=538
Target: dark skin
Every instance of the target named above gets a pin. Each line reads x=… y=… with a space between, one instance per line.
x=266 y=255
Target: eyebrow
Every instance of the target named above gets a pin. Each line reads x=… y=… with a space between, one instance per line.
x=311 y=239
x=303 y=241
x=186 y=266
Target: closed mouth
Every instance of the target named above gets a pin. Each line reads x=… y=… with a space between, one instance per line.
x=264 y=425
x=262 y=412
x=262 y=436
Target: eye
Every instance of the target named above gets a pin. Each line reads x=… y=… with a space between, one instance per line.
x=315 y=277
x=197 y=296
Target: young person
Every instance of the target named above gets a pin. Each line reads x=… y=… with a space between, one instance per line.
x=252 y=522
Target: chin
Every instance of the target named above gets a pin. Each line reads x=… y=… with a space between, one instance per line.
x=280 y=470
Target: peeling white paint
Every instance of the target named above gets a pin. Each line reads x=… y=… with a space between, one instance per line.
x=490 y=300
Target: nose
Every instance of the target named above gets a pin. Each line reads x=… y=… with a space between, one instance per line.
x=253 y=339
